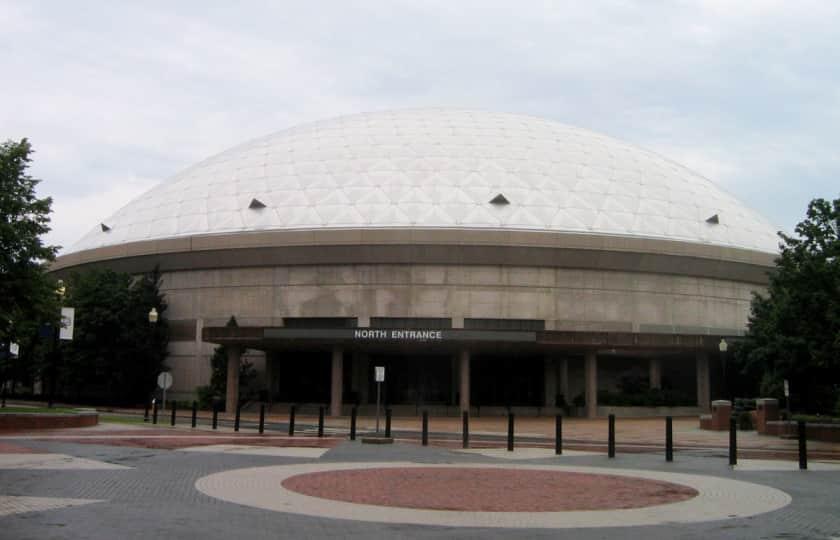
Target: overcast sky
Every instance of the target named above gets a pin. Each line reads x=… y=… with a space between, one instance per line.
x=116 y=96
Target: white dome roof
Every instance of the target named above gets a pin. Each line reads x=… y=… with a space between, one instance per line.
x=438 y=169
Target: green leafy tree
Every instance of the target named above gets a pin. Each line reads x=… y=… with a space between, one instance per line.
x=116 y=353
x=794 y=329
x=27 y=292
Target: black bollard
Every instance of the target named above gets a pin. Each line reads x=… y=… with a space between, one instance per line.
x=387 y=422
x=321 y=421
x=465 y=416
x=262 y=418
x=154 y=412
x=174 y=407
x=425 y=428
x=611 y=436
x=510 y=433
x=194 y=413
x=669 y=438
x=353 y=413
x=733 y=443
x=558 y=434
x=803 y=450
x=236 y=418
x=146 y=413
x=215 y=416
x=292 y=421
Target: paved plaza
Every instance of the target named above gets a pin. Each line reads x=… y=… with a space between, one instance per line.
x=143 y=481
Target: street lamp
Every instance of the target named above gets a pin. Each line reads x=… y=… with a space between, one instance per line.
x=60 y=291
x=153 y=316
x=723 y=346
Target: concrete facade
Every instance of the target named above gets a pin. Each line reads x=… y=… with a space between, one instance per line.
x=566 y=299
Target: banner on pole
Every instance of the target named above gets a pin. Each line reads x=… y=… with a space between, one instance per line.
x=68 y=316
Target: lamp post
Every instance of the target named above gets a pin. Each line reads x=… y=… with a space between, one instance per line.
x=60 y=291
x=723 y=346
x=153 y=319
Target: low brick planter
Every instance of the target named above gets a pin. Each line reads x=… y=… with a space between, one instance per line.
x=814 y=432
x=27 y=421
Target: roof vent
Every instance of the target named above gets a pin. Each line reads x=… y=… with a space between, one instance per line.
x=500 y=200
x=256 y=204
x=105 y=228
x=714 y=220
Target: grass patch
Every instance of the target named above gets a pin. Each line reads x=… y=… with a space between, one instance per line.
x=115 y=419
x=37 y=410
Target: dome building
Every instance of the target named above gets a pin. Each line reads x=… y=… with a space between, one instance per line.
x=486 y=260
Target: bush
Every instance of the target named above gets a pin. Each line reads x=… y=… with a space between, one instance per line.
x=745 y=421
x=205 y=396
x=654 y=397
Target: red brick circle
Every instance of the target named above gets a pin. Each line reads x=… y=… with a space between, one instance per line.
x=487 y=489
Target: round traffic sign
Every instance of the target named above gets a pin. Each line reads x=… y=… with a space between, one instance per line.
x=164 y=380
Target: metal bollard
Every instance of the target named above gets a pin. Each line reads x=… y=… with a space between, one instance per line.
x=353 y=413
x=262 y=418
x=510 y=433
x=154 y=412
x=174 y=407
x=669 y=438
x=465 y=418
x=215 y=416
x=803 y=450
x=236 y=418
x=425 y=428
x=194 y=413
x=733 y=443
x=291 y=421
x=558 y=434
x=146 y=413
x=321 y=421
x=611 y=436
x=387 y=422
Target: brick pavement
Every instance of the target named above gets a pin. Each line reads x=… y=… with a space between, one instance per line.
x=156 y=496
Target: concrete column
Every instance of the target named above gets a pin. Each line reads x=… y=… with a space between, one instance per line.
x=701 y=361
x=564 y=380
x=655 y=373
x=591 y=375
x=550 y=380
x=464 y=377
x=336 y=381
x=234 y=355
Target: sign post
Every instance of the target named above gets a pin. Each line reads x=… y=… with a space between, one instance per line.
x=164 y=381
x=379 y=372
x=787 y=398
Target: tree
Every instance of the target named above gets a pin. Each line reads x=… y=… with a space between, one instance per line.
x=218 y=375
x=794 y=329
x=27 y=292
x=116 y=353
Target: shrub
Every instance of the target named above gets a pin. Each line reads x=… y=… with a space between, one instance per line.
x=205 y=396
x=745 y=421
